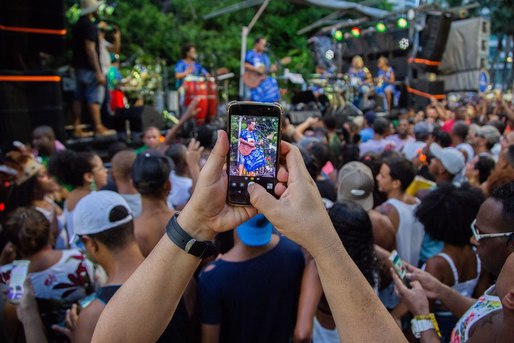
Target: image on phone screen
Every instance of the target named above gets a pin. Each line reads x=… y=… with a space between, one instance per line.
x=253 y=153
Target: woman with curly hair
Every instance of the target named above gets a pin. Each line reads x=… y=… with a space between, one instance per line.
x=447 y=213
x=82 y=173
x=353 y=227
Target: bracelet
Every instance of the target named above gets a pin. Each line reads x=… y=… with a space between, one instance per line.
x=187 y=243
x=423 y=323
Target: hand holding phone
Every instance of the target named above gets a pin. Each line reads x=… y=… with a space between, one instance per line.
x=18 y=275
x=398 y=265
x=253 y=155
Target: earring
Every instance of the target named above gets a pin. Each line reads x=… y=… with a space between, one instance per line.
x=92 y=186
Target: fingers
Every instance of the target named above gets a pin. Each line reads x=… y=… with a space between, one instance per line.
x=398 y=283
x=416 y=285
x=282 y=174
x=280 y=188
x=262 y=200
x=214 y=165
x=295 y=164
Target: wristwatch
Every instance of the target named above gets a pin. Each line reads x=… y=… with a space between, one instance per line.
x=187 y=243
x=423 y=323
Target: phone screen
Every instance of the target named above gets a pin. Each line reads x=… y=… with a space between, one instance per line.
x=398 y=265
x=18 y=275
x=254 y=131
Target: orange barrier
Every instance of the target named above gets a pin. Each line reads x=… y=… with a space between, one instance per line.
x=426 y=95
x=29 y=78
x=33 y=30
x=424 y=61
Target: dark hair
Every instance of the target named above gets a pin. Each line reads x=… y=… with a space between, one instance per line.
x=374 y=162
x=505 y=195
x=442 y=138
x=497 y=124
x=69 y=167
x=330 y=122
x=258 y=39
x=447 y=212
x=381 y=126
x=310 y=163
x=115 y=148
x=205 y=136
x=485 y=166
x=460 y=129
x=185 y=49
x=177 y=154
x=150 y=172
x=401 y=169
x=45 y=130
x=28 y=229
x=22 y=195
x=353 y=226
x=118 y=237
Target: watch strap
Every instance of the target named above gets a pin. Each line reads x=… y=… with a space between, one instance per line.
x=423 y=323
x=187 y=243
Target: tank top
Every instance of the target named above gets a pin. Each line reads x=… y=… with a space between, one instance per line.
x=465 y=288
x=485 y=305
x=176 y=331
x=410 y=233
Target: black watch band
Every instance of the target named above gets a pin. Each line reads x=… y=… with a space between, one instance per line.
x=187 y=243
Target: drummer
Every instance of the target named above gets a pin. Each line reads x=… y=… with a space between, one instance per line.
x=361 y=78
x=188 y=66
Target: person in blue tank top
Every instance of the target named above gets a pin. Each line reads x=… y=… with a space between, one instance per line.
x=257 y=62
x=386 y=79
x=188 y=65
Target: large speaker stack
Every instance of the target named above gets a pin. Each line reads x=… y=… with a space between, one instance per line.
x=465 y=55
x=30 y=95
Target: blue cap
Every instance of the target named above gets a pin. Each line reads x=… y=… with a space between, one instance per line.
x=255 y=232
x=366 y=134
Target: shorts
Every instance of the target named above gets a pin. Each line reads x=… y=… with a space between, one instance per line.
x=88 y=89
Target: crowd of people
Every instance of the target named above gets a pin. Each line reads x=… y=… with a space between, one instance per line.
x=436 y=185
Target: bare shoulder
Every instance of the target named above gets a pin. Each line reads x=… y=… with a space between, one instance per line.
x=486 y=329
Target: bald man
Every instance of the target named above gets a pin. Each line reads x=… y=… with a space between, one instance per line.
x=122 y=175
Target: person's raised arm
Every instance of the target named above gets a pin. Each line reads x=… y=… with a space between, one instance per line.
x=299 y=213
x=28 y=313
x=190 y=112
x=155 y=288
x=310 y=294
x=193 y=156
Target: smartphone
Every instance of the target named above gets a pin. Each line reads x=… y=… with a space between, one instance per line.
x=398 y=265
x=254 y=134
x=19 y=273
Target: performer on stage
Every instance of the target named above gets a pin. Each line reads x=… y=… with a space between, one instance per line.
x=188 y=65
x=360 y=77
x=257 y=64
x=251 y=155
x=385 y=81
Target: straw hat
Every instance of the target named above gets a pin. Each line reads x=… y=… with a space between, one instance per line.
x=89 y=6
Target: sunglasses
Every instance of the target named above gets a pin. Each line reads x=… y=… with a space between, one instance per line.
x=79 y=244
x=478 y=236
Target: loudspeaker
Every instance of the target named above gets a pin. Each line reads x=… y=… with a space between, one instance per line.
x=138 y=117
x=422 y=90
x=28 y=101
x=32 y=26
x=432 y=41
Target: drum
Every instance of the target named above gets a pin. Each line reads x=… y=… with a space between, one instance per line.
x=212 y=98
x=197 y=87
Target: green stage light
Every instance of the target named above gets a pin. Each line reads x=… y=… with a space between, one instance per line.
x=356 y=32
x=402 y=23
x=338 y=35
x=381 y=27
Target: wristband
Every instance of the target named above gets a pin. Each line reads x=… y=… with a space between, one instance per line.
x=187 y=243
x=423 y=323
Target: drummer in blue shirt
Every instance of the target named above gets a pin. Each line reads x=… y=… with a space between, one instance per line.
x=188 y=65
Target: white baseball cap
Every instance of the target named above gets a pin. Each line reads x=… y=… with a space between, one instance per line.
x=91 y=215
x=451 y=158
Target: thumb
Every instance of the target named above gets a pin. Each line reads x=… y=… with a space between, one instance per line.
x=264 y=202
